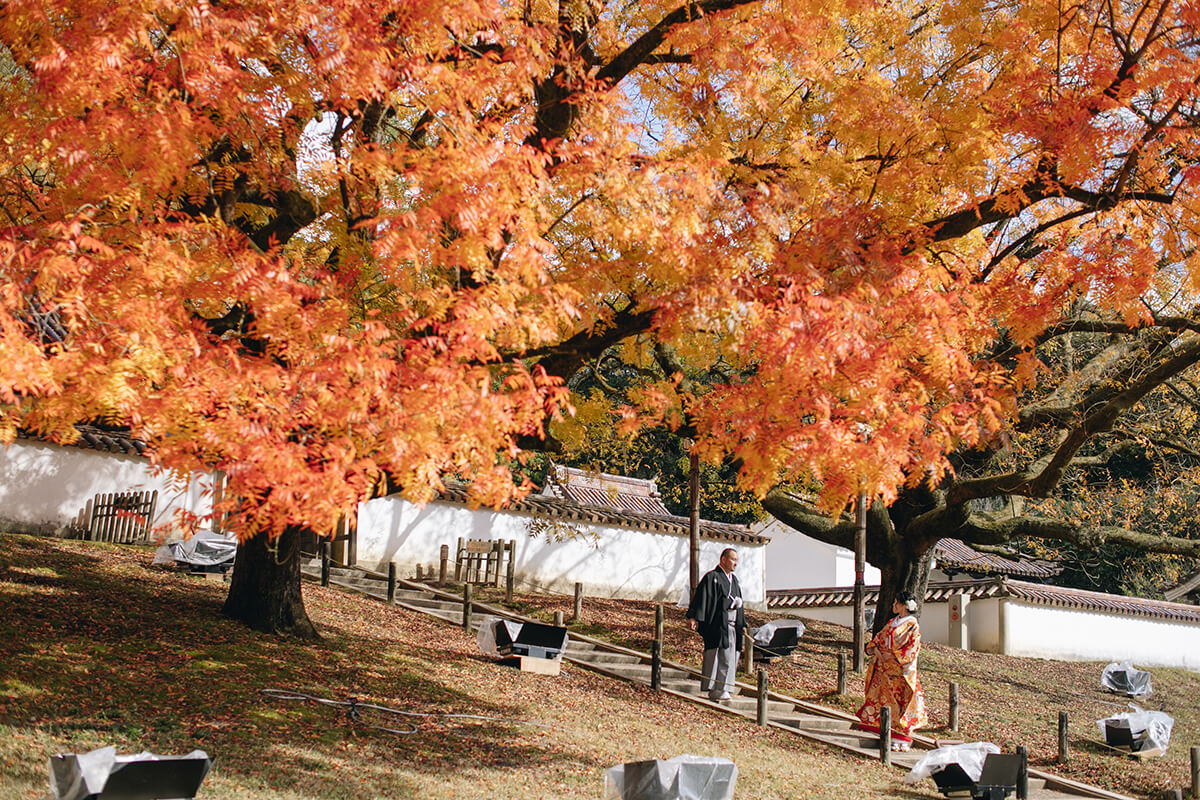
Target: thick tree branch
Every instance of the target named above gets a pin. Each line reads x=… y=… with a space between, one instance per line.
x=996 y=532
x=565 y=358
x=795 y=513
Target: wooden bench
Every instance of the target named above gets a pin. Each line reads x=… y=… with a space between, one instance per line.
x=481 y=561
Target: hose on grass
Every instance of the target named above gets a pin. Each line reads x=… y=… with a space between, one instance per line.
x=354 y=709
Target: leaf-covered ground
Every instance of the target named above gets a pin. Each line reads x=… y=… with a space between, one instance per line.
x=1002 y=699
x=97 y=647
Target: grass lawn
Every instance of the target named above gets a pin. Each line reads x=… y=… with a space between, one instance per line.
x=97 y=648
x=1002 y=699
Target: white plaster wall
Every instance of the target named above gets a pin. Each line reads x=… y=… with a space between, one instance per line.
x=983 y=624
x=797 y=561
x=1076 y=635
x=43 y=487
x=610 y=562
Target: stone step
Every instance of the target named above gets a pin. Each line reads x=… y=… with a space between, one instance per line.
x=604 y=658
x=813 y=722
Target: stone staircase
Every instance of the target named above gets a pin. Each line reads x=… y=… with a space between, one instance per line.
x=828 y=726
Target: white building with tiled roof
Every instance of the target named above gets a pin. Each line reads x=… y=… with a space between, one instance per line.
x=46 y=488
x=609 y=532
x=1002 y=615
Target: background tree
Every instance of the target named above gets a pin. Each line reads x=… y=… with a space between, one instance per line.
x=358 y=247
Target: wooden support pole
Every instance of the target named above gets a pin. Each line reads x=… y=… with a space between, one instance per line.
x=509 y=571
x=747 y=653
x=458 y=559
x=444 y=565
x=1195 y=772
x=1023 y=773
x=763 y=695
x=656 y=650
x=577 y=612
x=558 y=619
x=391 y=581
x=1063 y=748
x=860 y=591
x=953 y=705
x=466 y=611
x=324 y=563
x=420 y=573
x=885 y=734
x=841 y=661
x=498 y=550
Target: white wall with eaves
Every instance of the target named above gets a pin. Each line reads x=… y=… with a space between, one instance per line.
x=550 y=554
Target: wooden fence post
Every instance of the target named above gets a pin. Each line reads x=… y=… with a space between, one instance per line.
x=1195 y=751
x=444 y=565
x=1063 y=748
x=885 y=734
x=509 y=571
x=841 y=662
x=466 y=614
x=656 y=650
x=748 y=653
x=324 y=563
x=391 y=582
x=458 y=559
x=577 y=613
x=763 y=695
x=558 y=619
x=953 y=705
x=1023 y=773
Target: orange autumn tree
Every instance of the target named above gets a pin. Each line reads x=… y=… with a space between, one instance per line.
x=342 y=248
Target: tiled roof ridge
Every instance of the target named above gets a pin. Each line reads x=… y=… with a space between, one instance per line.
x=94 y=437
x=1039 y=593
x=571 y=510
x=956 y=553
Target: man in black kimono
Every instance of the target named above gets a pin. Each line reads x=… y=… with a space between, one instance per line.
x=716 y=613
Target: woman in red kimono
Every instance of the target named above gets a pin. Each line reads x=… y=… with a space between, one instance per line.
x=892 y=675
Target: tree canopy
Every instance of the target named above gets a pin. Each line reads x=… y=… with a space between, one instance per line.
x=342 y=245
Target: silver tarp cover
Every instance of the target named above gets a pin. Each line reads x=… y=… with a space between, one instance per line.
x=93 y=774
x=204 y=549
x=684 y=777
x=1124 y=679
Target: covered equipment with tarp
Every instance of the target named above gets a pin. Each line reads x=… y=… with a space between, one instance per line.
x=684 y=777
x=1125 y=679
x=506 y=637
x=777 y=639
x=205 y=551
x=975 y=769
x=1145 y=734
x=103 y=775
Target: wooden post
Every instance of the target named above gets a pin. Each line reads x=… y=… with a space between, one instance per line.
x=656 y=650
x=885 y=734
x=1063 y=724
x=577 y=612
x=558 y=619
x=693 y=521
x=747 y=653
x=763 y=696
x=458 y=559
x=391 y=581
x=444 y=566
x=860 y=591
x=498 y=550
x=420 y=573
x=841 y=674
x=466 y=622
x=324 y=563
x=1195 y=771
x=509 y=571
x=953 y=705
x=1023 y=773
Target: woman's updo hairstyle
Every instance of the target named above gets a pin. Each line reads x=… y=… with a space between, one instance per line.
x=907 y=599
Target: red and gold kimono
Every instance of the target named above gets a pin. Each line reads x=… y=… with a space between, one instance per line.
x=892 y=678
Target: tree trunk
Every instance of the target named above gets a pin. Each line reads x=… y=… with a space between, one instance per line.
x=265 y=588
x=906 y=572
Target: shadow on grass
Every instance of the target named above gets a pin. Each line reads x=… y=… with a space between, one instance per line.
x=96 y=648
